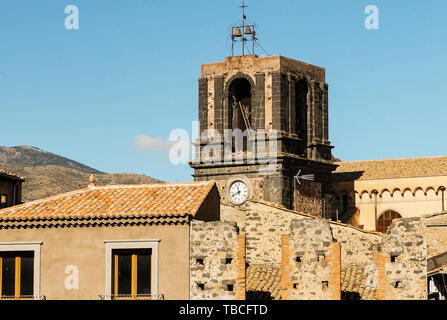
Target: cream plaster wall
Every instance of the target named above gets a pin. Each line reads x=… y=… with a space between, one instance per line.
x=420 y=196
x=85 y=248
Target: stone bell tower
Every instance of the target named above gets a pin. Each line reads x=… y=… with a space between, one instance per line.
x=281 y=106
x=277 y=94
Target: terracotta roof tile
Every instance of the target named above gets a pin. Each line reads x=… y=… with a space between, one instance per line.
x=391 y=168
x=354 y=283
x=11 y=175
x=263 y=282
x=129 y=201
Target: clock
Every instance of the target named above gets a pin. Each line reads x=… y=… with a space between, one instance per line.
x=239 y=192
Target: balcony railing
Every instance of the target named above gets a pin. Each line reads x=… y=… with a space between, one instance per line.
x=131 y=297
x=23 y=298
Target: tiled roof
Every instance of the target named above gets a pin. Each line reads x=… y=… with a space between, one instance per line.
x=436 y=216
x=353 y=283
x=11 y=175
x=391 y=168
x=437 y=263
x=155 y=201
x=263 y=282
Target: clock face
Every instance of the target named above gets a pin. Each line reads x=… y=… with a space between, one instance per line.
x=239 y=192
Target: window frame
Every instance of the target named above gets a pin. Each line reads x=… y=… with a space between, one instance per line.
x=134 y=254
x=112 y=245
x=3 y=204
x=386 y=217
x=12 y=247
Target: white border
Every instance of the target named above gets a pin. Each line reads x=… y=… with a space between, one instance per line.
x=27 y=246
x=131 y=244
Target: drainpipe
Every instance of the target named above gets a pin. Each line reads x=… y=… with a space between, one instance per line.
x=442 y=191
x=375 y=192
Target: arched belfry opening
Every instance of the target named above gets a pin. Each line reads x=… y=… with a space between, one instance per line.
x=301 y=110
x=241 y=116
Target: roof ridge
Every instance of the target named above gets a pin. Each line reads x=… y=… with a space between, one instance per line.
x=152 y=185
x=432 y=215
x=392 y=159
x=11 y=174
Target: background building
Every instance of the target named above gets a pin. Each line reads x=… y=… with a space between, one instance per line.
x=370 y=194
x=114 y=242
x=10 y=189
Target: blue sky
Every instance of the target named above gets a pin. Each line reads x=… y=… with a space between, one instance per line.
x=132 y=69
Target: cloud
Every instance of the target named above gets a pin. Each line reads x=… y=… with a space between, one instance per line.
x=146 y=143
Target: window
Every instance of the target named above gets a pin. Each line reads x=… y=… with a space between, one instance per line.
x=132 y=274
x=132 y=270
x=386 y=219
x=17 y=275
x=200 y=262
x=3 y=201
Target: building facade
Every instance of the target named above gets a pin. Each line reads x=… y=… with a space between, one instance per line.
x=370 y=194
x=10 y=189
x=266 y=252
x=114 y=242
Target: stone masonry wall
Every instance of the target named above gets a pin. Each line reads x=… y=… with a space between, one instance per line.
x=311 y=269
x=436 y=241
x=265 y=224
x=436 y=234
x=405 y=251
x=308 y=198
x=357 y=246
x=264 y=227
x=215 y=261
x=395 y=263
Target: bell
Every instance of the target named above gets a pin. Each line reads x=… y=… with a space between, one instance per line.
x=248 y=30
x=237 y=33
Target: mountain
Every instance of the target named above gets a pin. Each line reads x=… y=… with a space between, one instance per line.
x=48 y=174
x=26 y=156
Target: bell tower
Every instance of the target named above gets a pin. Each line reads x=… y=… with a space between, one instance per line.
x=263 y=120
